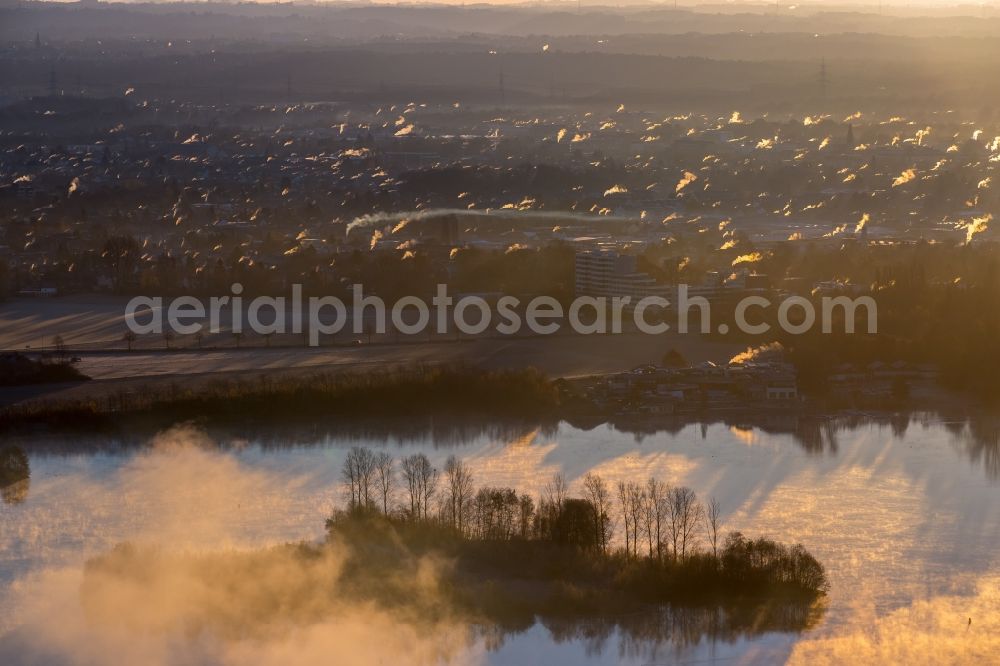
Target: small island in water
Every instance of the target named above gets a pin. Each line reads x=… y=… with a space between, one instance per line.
x=427 y=545
x=564 y=575
x=616 y=549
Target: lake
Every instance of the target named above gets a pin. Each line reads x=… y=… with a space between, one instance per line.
x=903 y=512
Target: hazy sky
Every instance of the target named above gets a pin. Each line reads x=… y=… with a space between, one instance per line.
x=958 y=7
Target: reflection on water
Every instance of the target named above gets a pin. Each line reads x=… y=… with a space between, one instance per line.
x=981 y=443
x=15 y=475
x=434 y=432
x=668 y=631
x=903 y=510
x=976 y=434
x=15 y=493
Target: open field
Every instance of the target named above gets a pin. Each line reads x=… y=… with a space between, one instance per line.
x=89 y=326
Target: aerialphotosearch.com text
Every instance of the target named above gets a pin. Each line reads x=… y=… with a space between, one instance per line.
x=319 y=316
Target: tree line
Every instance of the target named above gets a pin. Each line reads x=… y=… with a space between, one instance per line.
x=649 y=540
x=652 y=519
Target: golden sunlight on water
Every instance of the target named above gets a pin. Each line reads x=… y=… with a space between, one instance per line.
x=940 y=630
x=907 y=528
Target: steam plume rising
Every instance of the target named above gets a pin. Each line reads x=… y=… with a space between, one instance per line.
x=393 y=219
x=977 y=226
x=904 y=177
x=685 y=181
x=862 y=223
x=750 y=258
x=187 y=589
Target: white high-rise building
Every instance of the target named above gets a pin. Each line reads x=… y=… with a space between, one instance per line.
x=609 y=274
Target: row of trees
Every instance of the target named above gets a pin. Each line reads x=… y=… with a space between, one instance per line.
x=657 y=520
x=663 y=520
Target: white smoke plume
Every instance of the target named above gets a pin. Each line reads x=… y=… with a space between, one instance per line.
x=381 y=220
x=770 y=352
x=685 y=180
x=862 y=223
x=905 y=177
x=976 y=226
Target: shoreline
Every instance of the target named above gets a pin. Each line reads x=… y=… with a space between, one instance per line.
x=441 y=401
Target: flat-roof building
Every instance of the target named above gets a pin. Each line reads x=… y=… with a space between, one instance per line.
x=609 y=274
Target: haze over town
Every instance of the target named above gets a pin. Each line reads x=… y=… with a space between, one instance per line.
x=500 y=333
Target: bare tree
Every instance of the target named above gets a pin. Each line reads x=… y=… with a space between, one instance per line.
x=637 y=499
x=526 y=514
x=421 y=484
x=685 y=516
x=130 y=337
x=429 y=484
x=630 y=495
x=599 y=494
x=411 y=477
x=555 y=491
x=366 y=477
x=623 y=502
x=657 y=493
x=692 y=522
x=646 y=514
x=458 y=492
x=385 y=478
x=358 y=472
x=349 y=473
x=713 y=520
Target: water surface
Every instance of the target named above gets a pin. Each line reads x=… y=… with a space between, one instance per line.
x=904 y=514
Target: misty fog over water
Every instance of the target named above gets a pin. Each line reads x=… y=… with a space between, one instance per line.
x=905 y=520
